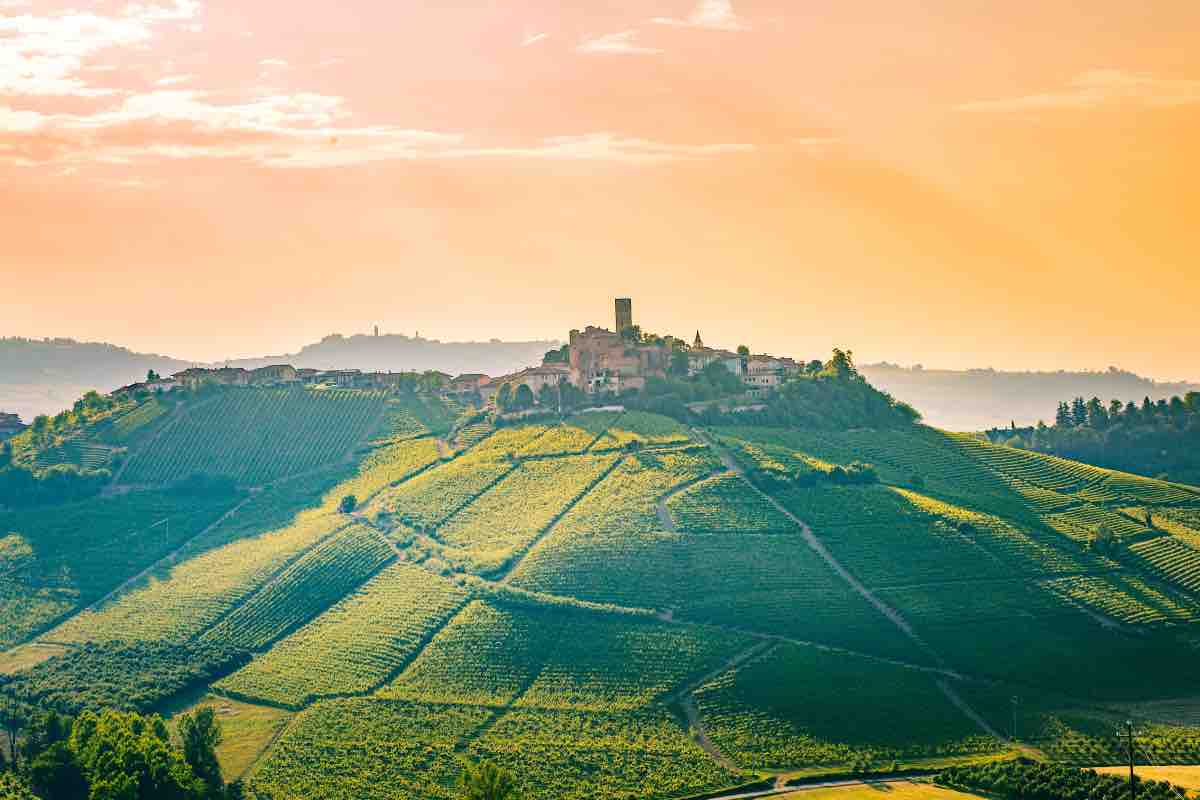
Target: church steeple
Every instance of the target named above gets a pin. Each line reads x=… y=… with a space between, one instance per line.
x=698 y=343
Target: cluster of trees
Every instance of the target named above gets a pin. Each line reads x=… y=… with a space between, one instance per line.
x=854 y=474
x=1023 y=779
x=1158 y=439
x=114 y=755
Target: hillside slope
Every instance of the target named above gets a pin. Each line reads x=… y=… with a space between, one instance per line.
x=618 y=606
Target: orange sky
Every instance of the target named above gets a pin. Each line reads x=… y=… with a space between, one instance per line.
x=951 y=182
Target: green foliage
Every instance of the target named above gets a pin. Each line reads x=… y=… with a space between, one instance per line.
x=486 y=781
x=1023 y=779
x=199 y=736
x=347 y=504
x=129 y=677
x=1153 y=440
x=130 y=757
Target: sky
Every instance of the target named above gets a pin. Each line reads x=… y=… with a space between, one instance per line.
x=957 y=183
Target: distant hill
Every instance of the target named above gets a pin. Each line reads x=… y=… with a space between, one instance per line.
x=398 y=353
x=978 y=399
x=44 y=376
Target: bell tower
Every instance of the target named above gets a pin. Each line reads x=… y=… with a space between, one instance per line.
x=624 y=307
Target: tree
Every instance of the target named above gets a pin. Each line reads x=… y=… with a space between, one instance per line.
x=56 y=775
x=486 y=781
x=504 y=397
x=841 y=365
x=1097 y=416
x=1063 y=418
x=547 y=396
x=679 y=364
x=1079 y=415
x=348 y=504
x=523 y=398
x=200 y=733
x=152 y=376
x=126 y=756
x=13 y=721
x=743 y=350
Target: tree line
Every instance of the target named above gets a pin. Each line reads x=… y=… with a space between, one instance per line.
x=1157 y=439
x=116 y=755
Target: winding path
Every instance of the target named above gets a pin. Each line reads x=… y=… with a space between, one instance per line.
x=890 y=613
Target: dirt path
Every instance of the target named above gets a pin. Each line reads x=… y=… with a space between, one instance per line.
x=778 y=790
x=890 y=613
x=168 y=560
x=957 y=700
x=529 y=548
x=688 y=703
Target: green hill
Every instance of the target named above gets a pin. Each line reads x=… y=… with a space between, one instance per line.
x=615 y=605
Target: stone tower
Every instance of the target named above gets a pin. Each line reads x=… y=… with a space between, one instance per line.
x=624 y=313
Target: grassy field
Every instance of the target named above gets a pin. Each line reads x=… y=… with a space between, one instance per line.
x=1185 y=776
x=892 y=790
x=246 y=732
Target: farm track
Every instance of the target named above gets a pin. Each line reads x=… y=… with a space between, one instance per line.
x=529 y=548
x=170 y=559
x=890 y=613
x=664 y=514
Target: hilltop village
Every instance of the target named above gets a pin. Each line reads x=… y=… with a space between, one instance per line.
x=597 y=362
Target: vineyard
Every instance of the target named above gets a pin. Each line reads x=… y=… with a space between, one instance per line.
x=600 y=603
x=258 y=435
x=801 y=705
x=508 y=517
x=55 y=560
x=354 y=646
x=311 y=584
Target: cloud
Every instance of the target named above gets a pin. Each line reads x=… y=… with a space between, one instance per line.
x=174 y=80
x=713 y=15
x=1097 y=89
x=623 y=43
x=534 y=38
x=285 y=131
x=816 y=145
x=329 y=62
x=606 y=147
x=276 y=63
x=44 y=55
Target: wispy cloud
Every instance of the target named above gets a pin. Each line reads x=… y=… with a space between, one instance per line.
x=623 y=43
x=174 y=80
x=1096 y=89
x=287 y=131
x=816 y=145
x=329 y=62
x=274 y=63
x=44 y=55
x=713 y=15
x=607 y=147
x=534 y=38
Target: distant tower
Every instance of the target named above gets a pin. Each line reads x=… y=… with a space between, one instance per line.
x=698 y=343
x=624 y=313
x=377 y=331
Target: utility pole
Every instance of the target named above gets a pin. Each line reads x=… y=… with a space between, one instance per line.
x=1015 y=700
x=1129 y=733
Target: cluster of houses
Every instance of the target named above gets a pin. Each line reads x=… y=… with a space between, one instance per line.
x=597 y=361
x=601 y=361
